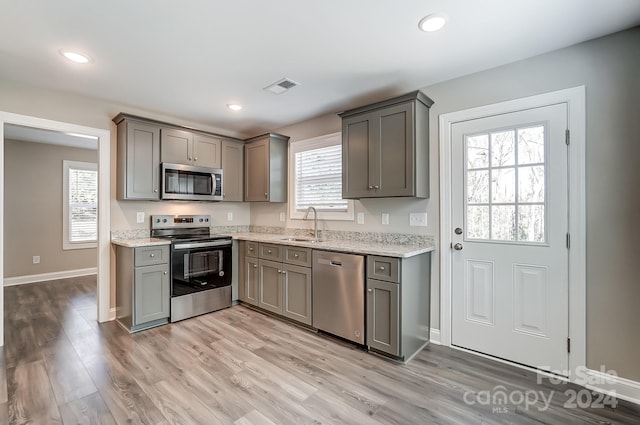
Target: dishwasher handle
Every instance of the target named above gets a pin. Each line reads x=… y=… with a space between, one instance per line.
x=335 y=263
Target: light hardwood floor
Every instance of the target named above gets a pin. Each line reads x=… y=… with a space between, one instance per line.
x=238 y=366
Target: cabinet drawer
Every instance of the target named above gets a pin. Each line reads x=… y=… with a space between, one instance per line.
x=297 y=256
x=251 y=249
x=383 y=268
x=271 y=252
x=150 y=255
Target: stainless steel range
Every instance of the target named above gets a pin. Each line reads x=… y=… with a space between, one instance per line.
x=200 y=264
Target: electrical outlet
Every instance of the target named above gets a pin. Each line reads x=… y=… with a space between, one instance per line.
x=385 y=218
x=283 y=217
x=229 y=216
x=360 y=219
x=36 y=259
x=418 y=219
x=140 y=217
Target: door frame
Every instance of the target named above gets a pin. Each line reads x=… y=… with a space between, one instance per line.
x=576 y=121
x=104 y=193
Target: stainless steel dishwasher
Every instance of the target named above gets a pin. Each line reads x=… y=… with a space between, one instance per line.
x=338 y=294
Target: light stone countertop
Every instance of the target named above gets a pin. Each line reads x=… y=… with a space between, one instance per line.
x=136 y=243
x=348 y=246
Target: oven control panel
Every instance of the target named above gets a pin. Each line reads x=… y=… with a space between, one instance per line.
x=178 y=221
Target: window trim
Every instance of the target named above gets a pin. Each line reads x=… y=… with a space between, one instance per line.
x=309 y=144
x=66 y=243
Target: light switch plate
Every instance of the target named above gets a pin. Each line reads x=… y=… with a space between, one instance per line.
x=418 y=219
x=36 y=259
x=360 y=219
x=229 y=216
x=140 y=217
x=385 y=218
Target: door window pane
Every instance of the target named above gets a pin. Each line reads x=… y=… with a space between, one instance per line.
x=478 y=186
x=531 y=223
x=531 y=145
x=503 y=222
x=531 y=184
x=503 y=185
x=478 y=151
x=478 y=222
x=503 y=148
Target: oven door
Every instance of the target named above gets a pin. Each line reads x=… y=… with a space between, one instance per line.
x=190 y=183
x=200 y=266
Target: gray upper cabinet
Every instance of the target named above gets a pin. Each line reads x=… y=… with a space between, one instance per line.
x=265 y=168
x=385 y=148
x=185 y=147
x=232 y=170
x=138 y=153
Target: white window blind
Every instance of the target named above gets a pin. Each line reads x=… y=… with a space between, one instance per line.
x=81 y=202
x=317 y=178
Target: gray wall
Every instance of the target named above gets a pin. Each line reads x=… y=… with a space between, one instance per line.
x=33 y=209
x=608 y=67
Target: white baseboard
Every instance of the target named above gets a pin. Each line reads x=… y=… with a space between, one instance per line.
x=622 y=388
x=112 y=313
x=20 y=280
x=434 y=336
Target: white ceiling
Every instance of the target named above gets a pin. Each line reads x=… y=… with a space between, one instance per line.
x=189 y=59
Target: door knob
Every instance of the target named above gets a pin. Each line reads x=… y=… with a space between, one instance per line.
x=457 y=247
x=458 y=231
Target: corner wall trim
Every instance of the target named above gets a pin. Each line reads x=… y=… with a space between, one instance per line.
x=621 y=388
x=21 y=280
x=434 y=336
x=112 y=313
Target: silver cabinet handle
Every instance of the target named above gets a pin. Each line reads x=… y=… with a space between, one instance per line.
x=251 y=249
x=255 y=266
x=376 y=187
x=195 y=158
x=370 y=187
x=269 y=251
x=190 y=158
x=284 y=272
x=295 y=255
x=155 y=190
x=458 y=247
x=381 y=267
x=165 y=272
x=152 y=255
x=370 y=290
x=265 y=195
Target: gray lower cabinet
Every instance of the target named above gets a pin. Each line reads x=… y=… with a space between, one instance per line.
x=142 y=287
x=276 y=278
x=398 y=304
x=232 y=171
x=385 y=148
x=138 y=153
x=265 y=168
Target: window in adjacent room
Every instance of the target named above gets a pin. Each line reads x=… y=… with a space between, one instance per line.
x=80 y=205
x=316 y=178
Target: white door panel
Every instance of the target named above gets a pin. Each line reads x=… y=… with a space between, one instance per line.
x=509 y=203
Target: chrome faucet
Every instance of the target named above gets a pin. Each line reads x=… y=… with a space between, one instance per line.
x=315 y=221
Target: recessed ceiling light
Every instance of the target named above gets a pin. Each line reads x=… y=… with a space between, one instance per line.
x=433 y=22
x=75 y=56
x=234 y=107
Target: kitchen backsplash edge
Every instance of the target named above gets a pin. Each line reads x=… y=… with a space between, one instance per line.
x=377 y=237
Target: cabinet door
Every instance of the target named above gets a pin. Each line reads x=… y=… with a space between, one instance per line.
x=232 y=171
x=250 y=277
x=356 y=166
x=206 y=151
x=256 y=171
x=142 y=161
x=394 y=151
x=151 y=293
x=270 y=286
x=297 y=293
x=176 y=146
x=382 y=316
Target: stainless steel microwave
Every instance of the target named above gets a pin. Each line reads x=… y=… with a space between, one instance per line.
x=191 y=183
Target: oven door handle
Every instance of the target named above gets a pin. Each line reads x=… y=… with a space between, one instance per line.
x=202 y=244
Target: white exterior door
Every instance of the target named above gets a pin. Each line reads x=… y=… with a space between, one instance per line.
x=509 y=236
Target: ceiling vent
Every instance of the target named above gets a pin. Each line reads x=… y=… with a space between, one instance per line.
x=281 y=86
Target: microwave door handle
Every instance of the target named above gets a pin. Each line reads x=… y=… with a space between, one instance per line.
x=213 y=184
x=220 y=261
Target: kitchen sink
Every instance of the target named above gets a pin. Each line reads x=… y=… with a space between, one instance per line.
x=298 y=239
